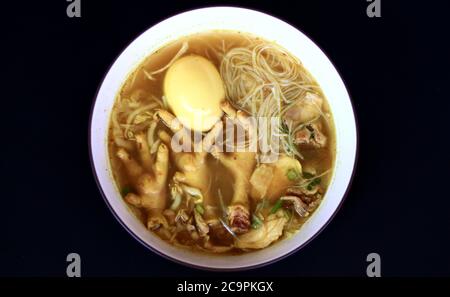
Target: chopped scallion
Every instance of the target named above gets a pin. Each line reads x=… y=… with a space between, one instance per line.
x=314 y=183
x=307 y=175
x=125 y=191
x=292 y=174
x=277 y=206
x=256 y=222
x=199 y=208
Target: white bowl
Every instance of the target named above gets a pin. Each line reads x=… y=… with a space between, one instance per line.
x=271 y=29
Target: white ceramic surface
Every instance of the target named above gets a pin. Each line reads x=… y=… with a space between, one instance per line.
x=271 y=29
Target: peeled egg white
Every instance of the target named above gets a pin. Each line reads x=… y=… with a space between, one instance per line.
x=194 y=89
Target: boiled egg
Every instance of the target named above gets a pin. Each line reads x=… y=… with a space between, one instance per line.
x=194 y=89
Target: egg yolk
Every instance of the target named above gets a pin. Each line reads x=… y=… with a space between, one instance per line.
x=194 y=89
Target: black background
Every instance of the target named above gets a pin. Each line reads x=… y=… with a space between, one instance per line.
x=396 y=69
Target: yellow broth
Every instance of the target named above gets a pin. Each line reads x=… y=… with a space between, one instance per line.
x=142 y=89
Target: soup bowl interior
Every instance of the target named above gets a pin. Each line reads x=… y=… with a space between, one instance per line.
x=271 y=29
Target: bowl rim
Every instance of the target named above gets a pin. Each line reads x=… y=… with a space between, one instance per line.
x=202 y=267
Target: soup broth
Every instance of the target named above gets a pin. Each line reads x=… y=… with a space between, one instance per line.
x=217 y=201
